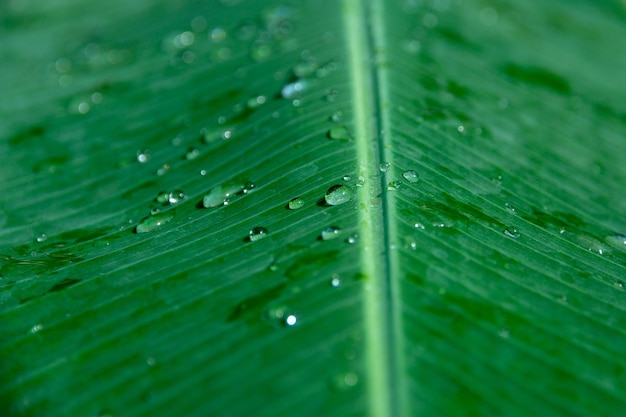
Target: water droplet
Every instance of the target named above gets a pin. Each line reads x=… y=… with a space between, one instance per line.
x=155 y=210
x=361 y=181
x=36 y=328
x=509 y=207
x=293 y=90
x=411 y=176
x=257 y=233
x=353 y=238
x=344 y=381
x=42 y=238
x=175 y=197
x=291 y=320
x=419 y=226
x=143 y=156
x=616 y=240
x=192 y=153
x=338 y=194
x=255 y=102
x=384 y=167
x=148 y=224
x=162 y=197
x=346 y=178
x=163 y=170
x=339 y=132
x=619 y=284
x=220 y=195
x=295 y=203
x=394 y=185
x=227 y=134
x=413 y=245
x=511 y=232
x=331 y=94
x=331 y=232
x=248 y=187
x=592 y=244
x=337 y=116
x=203 y=172
x=335 y=280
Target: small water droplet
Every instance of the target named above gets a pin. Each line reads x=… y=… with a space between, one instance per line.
x=293 y=90
x=36 y=328
x=163 y=170
x=411 y=176
x=337 y=116
x=384 y=167
x=331 y=232
x=192 y=153
x=295 y=203
x=331 y=94
x=143 y=156
x=512 y=232
x=256 y=102
x=175 y=197
x=338 y=194
x=42 y=238
x=419 y=226
x=619 y=284
x=291 y=320
x=335 y=281
x=339 y=132
x=346 y=178
x=220 y=195
x=227 y=134
x=148 y=224
x=257 y=233
x=510 y=207
x=344 y=381
x=394 y=185
x=162 y=197
x=361 y=181
x=413 y=245
x=353 y=238
x=155 y=210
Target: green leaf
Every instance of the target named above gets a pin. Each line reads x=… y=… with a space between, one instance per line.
x=153 y=259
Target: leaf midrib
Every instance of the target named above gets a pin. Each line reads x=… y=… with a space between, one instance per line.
x=365 y=35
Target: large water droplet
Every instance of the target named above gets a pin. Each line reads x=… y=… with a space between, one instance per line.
x=331 y=232
x=411 y=176
x=148 y=224
x=338 y=194
x=295 y=203
x=220 y=195
x=511 y=232
x=616 y=240
x=257 y=233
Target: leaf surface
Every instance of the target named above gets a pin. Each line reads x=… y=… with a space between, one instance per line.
x=476 y=267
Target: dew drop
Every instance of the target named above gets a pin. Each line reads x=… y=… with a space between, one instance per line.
x=148 y=224
x=616 y=240
x=335 y=281
x=419 y=226
x=256 y=102
x=36 y=328
x=162 y=197
x=227 y=134
x=175 y=197
x=192 y=153
x=346 y=178
x=248 y=187
x=42 y=238
x=257 y=233
x=511 y=232
x=384 y=167
x=339 y=132
x=331 y=232
x=291 y=320
x=220 y=195
x=619 y=284
x=411 y=176
x=293 y=90
x=394 y=185
x=353 y=238
x=295 y=203
x=143 y=156
x=361 y=181
x=331 y=94
x=338 y=194
x=510 y=208
x=337 y=116
x=155 y=210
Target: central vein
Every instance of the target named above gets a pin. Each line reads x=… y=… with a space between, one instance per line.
x=365 y=40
